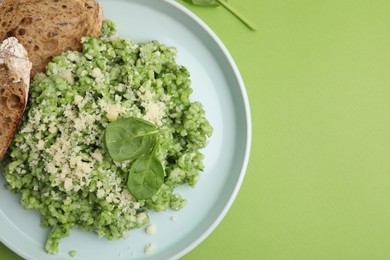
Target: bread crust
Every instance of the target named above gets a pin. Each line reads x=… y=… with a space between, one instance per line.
x=48 y=27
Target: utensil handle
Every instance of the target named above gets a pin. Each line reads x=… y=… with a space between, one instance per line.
x=238 y=15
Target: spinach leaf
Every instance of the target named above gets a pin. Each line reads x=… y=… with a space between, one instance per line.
x=146 y=177
x=129 y=138
x=225 y=5
x=134 y=139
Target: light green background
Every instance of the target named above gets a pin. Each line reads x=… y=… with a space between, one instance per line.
x=317 y=75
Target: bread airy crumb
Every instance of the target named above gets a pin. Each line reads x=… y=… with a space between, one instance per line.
x=15 y=57
x=14 y=81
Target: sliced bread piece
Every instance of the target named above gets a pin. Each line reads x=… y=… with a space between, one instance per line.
x=48 y=27
x=14 y=81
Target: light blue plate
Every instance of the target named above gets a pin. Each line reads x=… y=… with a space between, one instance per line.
x=217 y=84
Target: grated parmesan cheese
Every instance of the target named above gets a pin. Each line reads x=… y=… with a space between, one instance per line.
x=68 y=184
x=154 y=112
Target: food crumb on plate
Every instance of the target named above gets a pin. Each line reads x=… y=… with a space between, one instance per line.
x=72 y=253
x=150 y=229
x=149 y=248
x=173 y=218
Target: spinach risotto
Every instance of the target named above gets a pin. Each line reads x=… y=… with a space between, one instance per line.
x=108 y=134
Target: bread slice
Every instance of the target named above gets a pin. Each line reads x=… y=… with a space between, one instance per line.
x=48 y=27
x=14 y=81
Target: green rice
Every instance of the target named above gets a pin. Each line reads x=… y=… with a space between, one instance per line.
x=57 y=160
